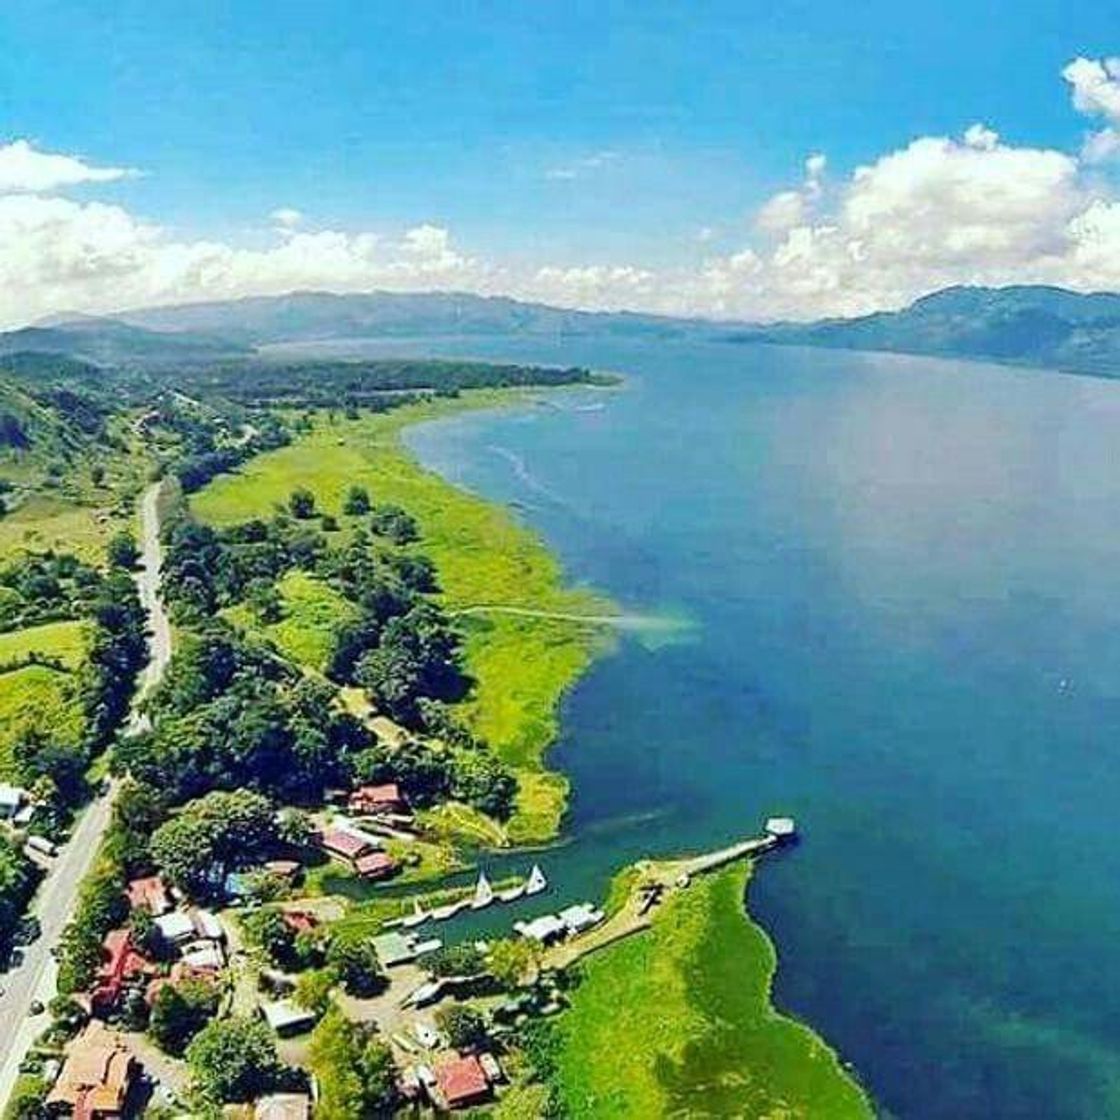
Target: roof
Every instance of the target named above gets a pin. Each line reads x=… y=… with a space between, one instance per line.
x=283 y=1106
x=204 y=955
x=11 y=796
x=375 y=864
x=344 y=844
x=462 y=1081
x=284 y=867
x=175 y=926
x=150 y=893
x=300 y=920
x=208 y=925
x=389 y=793
x=394 y=948
x=544 y=928
x=97 y=1072
x=283 y=1015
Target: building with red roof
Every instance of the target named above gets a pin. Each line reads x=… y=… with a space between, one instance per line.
x=462 y=1082
x=120 y=962
x=343 y=845
x=151 y=893
x=385 y=798
x=300 y=921
x=375 y=865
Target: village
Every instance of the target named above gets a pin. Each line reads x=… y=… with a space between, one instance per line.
x=436 y=1004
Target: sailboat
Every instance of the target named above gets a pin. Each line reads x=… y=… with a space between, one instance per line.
x=536 y=881
x=483 y=893
x=418 y=915
x=512 y=894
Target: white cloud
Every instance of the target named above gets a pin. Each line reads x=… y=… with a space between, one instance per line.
x=25 y=168
x=935 y=211
x=1096 y=92
x=285 y=217
x=578 y=168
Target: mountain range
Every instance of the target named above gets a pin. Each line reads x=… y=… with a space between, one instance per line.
x=1027 y=324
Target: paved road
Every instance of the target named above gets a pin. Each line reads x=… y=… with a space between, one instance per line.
x=36 y=977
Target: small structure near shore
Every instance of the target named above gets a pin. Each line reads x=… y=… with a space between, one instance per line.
x=783 y=829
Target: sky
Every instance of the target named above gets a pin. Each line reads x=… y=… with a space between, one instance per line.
x=732 y=160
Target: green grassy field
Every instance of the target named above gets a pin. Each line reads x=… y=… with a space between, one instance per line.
x=64 y=640
x=312 y=611
x=36 y=697
x=43 y=523
x=484 y=556
x=678 y=1022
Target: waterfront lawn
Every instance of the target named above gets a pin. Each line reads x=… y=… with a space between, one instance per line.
x=38 y=697
x=678 y=1022
x=484 y=557
x=65 y=641
x=312 y=611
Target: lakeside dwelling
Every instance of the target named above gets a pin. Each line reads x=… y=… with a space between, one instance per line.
x=461 y=1082
x=96 y=1077
x=151 y=893
x=385 y=799
x=357 y=850
x=121 y=962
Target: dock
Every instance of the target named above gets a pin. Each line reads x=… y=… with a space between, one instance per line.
x=658 y=881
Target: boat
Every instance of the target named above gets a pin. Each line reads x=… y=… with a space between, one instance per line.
x=418 y=915
x=536 y=881
x=512 y=894
x=483 y=893
x=442 y=913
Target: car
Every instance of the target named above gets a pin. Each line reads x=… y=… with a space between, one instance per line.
x=16 y=957
x=27 y=931
x=37 y=1007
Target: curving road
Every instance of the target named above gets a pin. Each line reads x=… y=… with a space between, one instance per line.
x=36 y=977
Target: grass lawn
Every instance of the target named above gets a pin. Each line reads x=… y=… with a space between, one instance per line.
x=44 y=522
x=678 y=1022
x=484 y=556
x=64 y=640
x=312 y=610
x=36 y=697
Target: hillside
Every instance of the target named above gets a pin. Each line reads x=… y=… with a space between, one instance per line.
x=314 y=316
x=1030 y=325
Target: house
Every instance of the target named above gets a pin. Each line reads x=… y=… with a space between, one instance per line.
x=545 y=929
x=283 y=868
x=11 y=798
x=208 y=926
x=375 y=865
x=206 y=955
x=96 y=1077
x=300 y=921
x=580 y=917
x=376 y=800
x=394 y=948
x=175 y=928
x=151 y=894
x=283 y=1106
x=286 y=1018
x=462 y=1082
x=342 y=845
x=120 y=962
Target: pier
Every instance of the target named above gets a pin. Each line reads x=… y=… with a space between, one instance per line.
x=658 y=879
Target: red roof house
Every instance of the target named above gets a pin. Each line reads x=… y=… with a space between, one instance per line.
x=384 y=798
x=120 y=962
x=149 y=893
x=375 y=865
x=343 y=845
x=300 y=921
x=462 y=1082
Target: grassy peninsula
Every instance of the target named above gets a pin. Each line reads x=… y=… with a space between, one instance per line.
x=520 y=665
x=677 y=1021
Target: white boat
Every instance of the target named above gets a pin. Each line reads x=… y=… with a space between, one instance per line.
x=536 y=881
x=442 y=913
x=418 y=915
x=512 y=894
x=483 y=893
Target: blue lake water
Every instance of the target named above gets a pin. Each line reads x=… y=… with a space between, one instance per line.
x=903 y=580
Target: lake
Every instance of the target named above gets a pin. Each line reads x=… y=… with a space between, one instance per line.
x=899 y=580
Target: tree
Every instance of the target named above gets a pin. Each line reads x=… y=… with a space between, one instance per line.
x=462 y=1026
x=267 y=929
x=395 y=523
x=210 y=835
x=514 y=963
x=481 y=780
x=456 y=960
x=123 y=551
x=234 y=1059
x=313 y=990
x=355 y=1072
x=302 y=503
x=264 y=601
x=356 y=966
x=357 y=501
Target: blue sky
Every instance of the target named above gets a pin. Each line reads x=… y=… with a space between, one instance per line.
x=606 y=134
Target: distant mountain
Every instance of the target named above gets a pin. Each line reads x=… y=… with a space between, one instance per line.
x=321 y=316
x=1027 y=324
x=108 y=341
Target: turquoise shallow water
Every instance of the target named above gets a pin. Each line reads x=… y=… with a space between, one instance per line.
x=902 y=584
